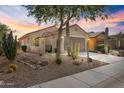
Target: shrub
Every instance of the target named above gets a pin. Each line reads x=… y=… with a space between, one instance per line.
x=89 y=60
x=48 y=48
x=59 y=60
x=1 y=51
x=75 y=50
x=9 y=46
x=101 y=48
x=40 y=54
x=13 y=66
x=10 y=70
x=55 y=50
x=24 y=48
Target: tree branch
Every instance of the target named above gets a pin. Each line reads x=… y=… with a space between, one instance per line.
x=67 y=20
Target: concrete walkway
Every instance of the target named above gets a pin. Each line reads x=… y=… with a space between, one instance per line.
x=103 y=57
x=111 y=75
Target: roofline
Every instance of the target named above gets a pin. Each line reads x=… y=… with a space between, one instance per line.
x=79 y=27
x=98 y=34
x=50 y=27
x=82 y=29
x=35 y=31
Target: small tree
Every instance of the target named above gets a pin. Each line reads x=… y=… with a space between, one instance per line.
x=9 y=46
x=3 y=29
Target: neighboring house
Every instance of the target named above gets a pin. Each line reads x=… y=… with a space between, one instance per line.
x=44 y=40
x=95 y=39
x=116 y=41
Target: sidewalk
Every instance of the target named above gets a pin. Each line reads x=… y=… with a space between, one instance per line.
x=111 y=75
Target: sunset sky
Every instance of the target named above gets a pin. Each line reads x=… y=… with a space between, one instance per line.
x=16 y=18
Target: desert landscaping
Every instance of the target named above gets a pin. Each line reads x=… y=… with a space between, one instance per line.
x=42 y=69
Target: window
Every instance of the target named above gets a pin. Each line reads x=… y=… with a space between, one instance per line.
x=36 y=41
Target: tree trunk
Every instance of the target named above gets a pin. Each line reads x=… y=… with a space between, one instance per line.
x=68 y=45
x=59 y=39
x=59 y=42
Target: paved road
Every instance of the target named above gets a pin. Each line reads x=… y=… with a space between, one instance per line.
x=108 y=76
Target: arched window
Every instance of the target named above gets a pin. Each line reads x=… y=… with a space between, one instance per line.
x=36 y=41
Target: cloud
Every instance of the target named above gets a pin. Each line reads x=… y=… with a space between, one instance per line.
x=115 y=23
x=16 y=18
x=20 y=26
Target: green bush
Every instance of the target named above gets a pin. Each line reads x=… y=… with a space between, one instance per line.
x=101 y=48
x=75 y=48
x=24 y=48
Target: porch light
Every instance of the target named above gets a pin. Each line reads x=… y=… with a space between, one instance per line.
x=62 y=37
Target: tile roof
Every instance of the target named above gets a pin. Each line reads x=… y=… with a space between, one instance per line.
x=94 y=34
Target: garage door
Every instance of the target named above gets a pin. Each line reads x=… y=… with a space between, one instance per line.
x=81 y=42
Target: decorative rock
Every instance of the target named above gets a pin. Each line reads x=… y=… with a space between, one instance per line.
x=30 y=65
x=40 y=68
x=89 y=60
x=39 y=62
x=114 y=52
x=44 y=63
x=82 y=60
x=1 y=71
x=76 y=62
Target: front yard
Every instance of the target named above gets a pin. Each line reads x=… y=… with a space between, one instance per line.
x=26 y=75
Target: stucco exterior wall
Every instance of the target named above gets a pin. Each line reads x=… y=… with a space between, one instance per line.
x=75 y=31
x=92 y=43
x=78 y=34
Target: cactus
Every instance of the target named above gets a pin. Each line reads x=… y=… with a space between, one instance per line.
x=106 y=39
x=75 y=50
x=9 y=45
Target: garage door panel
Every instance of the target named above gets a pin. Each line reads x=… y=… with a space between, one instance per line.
x=81 y=42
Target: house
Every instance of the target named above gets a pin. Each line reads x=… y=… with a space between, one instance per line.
x=118 y=40
x=44 y=40
x=95 y=39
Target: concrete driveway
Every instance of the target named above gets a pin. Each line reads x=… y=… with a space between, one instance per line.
x=103 y=57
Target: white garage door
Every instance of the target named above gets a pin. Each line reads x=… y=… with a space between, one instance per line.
x=81 y=42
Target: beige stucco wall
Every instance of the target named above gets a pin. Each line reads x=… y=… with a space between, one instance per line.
x=75 y=31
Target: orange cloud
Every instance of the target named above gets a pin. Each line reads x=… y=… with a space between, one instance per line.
x=24 y=27
x=110 y=22
x=21 y=27
x=118 y=17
